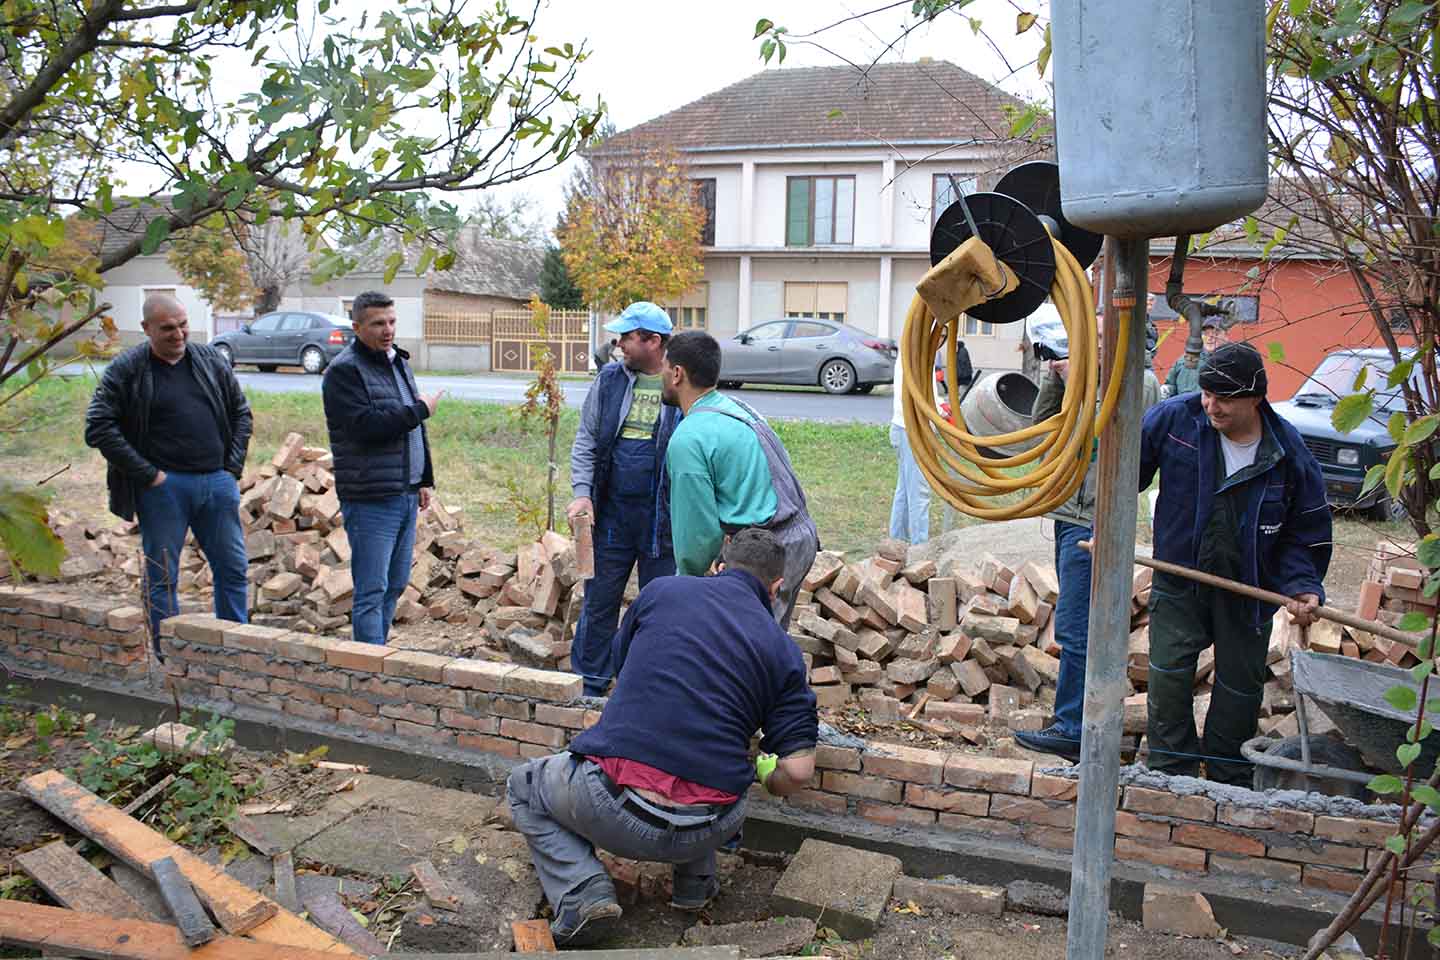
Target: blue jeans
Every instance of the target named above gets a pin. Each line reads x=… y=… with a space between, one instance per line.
x=209 y=504
x=910 y=511
x=563 y=807
x=623 y=536
x=1072 y=624
x=382 y=541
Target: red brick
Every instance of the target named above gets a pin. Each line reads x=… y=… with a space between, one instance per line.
x=486 y=744
x=592 y=717
x=417 y=665
x=873 y=788
x=349 y=703
x=511 y=708
x=310 y=711
x=1160 y=803
x=358 y=656
x=894 y=816
x=416 y=731
x=1162 y=855
x=571 y=718
x=533 y=733
x=1214 y=838
x=1319 y=852
x=298 y=690
x=1129 y=825
x=198 y=628
x=1047 y=813
x=303 y=646
x=122 y=655
x=1263 y=868
x=252 y=637
x=543 y=684
x=412 y=712
x=92 y=613
x=435 y=695
x=910 y=764
x=949 y=801
x=815 y=800
x=836 y=758
x=1287 y=821
x=1046 y=786
x=349 y=718
x=1366 y=833
x=468 y=721
x=1051 y=838
x=1341 y=881
x=477 y=674
x=80 y=648
x=994 y=774
x=244 y=681
x=379 y=687
x=323 y=677
x=263 y=701
x=999 y=829
x=534 y=751
x=255 y=663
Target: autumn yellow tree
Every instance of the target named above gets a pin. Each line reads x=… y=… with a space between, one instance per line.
x=632 y=229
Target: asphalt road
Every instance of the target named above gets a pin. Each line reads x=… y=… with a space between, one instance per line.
x=784 y=404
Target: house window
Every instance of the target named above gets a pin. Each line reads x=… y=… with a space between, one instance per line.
x=345 y=304
x=705 y=192
x=817 y=301
x=691 y=312
x=147 y=292
x=978 y=328
x=819 y=211
x=945 y=189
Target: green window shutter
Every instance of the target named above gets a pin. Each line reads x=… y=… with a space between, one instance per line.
x=797 y=208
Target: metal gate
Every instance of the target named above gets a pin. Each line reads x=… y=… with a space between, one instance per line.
x=513 y=337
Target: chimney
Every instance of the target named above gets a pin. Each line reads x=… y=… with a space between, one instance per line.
x=927 y=60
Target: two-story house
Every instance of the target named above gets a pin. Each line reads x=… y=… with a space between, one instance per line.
x=823 y=184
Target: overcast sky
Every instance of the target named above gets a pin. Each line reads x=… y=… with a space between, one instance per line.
x=651 y=56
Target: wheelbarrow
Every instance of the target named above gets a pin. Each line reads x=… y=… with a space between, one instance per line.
x=1351 y=693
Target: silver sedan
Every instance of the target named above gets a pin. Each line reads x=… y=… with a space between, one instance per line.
x=802 y=351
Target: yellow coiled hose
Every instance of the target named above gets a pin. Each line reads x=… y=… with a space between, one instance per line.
x=946 y=452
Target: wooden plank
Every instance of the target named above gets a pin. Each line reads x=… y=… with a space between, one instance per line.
x=70 y=880
x=437 y=891
x=329 y=914
x=134 y=805
x=584 y=547
x=532 y=936
x=141 y=887
x=284 y=866
x=190 y=917
x=254 y=835
x=56 y=930
x=238 y=908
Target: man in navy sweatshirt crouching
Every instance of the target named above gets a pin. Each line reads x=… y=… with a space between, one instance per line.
x=662 y=777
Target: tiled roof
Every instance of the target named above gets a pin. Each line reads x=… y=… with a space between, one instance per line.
x=126 y=223
x=931 y=101
x=483 y=265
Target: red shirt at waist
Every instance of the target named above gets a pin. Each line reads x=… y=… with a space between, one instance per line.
x=632 y=773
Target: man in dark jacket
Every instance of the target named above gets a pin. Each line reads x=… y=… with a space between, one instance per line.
x=173 y=425
x=383 y=472
x=617 y=470
x=1241 y=497
x=662 y=776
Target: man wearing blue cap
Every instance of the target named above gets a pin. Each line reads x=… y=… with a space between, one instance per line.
x=617 y=472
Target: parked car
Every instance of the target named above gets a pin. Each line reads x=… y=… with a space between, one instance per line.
x=1044 y=339
x=287 y=338
x=801 y=351
x=1345 y=457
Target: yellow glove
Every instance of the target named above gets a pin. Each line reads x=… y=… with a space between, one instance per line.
x=764 y=766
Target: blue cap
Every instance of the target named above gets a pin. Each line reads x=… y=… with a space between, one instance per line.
x=641 y=315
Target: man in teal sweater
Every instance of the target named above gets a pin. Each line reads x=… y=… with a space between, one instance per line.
x=728 y=471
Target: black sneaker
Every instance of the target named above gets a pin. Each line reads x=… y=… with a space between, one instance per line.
x=591 y=919
x=1051 y=740
x=694 y=894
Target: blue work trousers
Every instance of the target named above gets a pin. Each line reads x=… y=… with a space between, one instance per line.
x=208 y=504
x=382 y=544
x=1072 y=624
x=910 y=510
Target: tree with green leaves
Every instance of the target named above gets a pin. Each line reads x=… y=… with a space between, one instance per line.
x=342 y=123
x=557 y=290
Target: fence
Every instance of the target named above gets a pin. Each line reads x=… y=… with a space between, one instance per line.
x=513 y=337
x=458 y=328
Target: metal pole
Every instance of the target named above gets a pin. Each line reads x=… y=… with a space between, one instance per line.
x=1111 y=582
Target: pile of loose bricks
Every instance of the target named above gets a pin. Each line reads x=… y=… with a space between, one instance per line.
x=359 y=691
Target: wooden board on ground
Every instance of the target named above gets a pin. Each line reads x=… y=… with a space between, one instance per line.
x=283 y=864
x=532 y=936
x=437 y=891
x=70 y=880
x=329 y=914
x=190 y=917
x=254 y=835
x=58 y=931
x=238 y=908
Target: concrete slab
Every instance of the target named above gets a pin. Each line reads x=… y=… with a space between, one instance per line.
x=379 y=842
x=760 y=938
x=496 y=885
x=844 y=887
x=410 y=796
x=291 y=832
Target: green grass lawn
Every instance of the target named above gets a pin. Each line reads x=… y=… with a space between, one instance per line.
x=484 y=455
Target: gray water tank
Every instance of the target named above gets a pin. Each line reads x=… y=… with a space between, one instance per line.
x=1159 y=113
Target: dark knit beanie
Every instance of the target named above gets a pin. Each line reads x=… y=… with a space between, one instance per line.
x=1234 y=370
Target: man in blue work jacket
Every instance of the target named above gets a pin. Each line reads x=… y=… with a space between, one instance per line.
x=617 y=473
x=1243 y=498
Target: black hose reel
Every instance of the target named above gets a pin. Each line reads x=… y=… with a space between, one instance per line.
x=1012 y=221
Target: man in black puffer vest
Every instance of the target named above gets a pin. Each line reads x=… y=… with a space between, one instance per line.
x=383 y=472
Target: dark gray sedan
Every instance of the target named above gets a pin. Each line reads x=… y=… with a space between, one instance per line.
x=801 y=351
x=287 y=338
